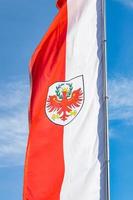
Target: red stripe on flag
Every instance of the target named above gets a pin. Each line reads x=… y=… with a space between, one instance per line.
x=44 y=164
x=60 y=3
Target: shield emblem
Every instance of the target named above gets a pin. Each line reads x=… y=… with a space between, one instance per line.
x=65 y=100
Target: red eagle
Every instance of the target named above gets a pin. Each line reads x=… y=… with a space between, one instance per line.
x=65 y=105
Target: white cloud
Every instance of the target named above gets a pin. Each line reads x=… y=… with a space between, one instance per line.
x=13 y=122
x=113 y=134
x=121 y=99
x=12 y=94
x=128 y=3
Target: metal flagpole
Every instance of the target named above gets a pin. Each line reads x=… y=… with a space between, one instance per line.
x=106 y=98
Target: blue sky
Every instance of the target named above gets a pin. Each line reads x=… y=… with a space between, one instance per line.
x=23 y=24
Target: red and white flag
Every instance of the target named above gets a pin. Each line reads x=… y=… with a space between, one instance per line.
x=65 y=157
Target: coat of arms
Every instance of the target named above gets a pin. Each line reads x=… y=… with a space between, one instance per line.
x=65 y=100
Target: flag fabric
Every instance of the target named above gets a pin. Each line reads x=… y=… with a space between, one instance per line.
x=65 y=158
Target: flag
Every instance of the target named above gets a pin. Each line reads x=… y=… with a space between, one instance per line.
x=65 y=158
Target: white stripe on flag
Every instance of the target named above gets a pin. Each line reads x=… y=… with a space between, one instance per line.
x=84 y=137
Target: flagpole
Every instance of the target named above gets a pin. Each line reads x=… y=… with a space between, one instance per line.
x=106 y=98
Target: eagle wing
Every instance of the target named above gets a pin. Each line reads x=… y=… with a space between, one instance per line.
x=76 y=98
x=53 y=103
